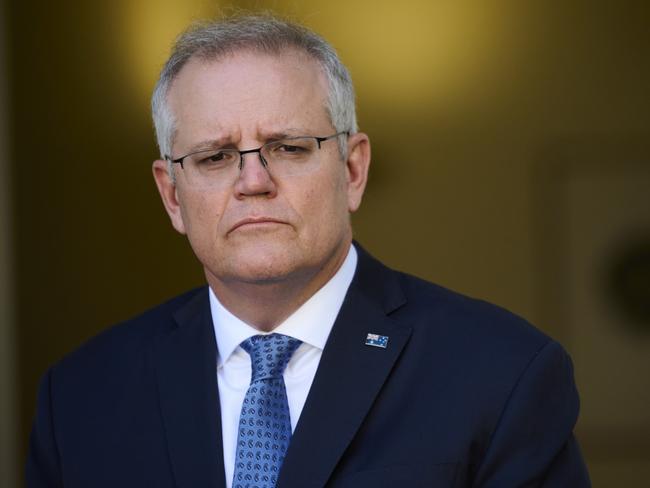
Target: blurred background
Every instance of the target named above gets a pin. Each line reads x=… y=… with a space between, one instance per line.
x=510 y=162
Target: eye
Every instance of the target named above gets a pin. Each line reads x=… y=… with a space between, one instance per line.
x=296 y=149
x=215 y=159
x=289 y=148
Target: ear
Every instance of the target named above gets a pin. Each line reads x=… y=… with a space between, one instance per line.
x=168 y=194
x=357 y=167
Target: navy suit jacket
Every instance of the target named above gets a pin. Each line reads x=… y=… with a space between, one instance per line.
x=464 y=395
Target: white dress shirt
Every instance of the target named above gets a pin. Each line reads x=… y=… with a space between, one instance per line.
x=311 y=324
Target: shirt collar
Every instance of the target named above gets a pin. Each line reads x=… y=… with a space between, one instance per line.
x=311 y=323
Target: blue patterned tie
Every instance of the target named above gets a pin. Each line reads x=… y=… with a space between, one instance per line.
x=264 y=423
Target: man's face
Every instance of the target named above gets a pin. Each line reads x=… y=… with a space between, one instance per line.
x=262 y=229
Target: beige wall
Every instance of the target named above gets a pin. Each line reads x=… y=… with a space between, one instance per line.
x=470 y=105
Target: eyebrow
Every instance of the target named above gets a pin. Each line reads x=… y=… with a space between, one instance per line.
x=290 y=132
x=207 y=144
x=220 y=142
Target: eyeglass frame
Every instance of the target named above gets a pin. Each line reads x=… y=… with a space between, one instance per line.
x=319 y=141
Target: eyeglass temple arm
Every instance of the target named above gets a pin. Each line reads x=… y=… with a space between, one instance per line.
x=319 y=140
x=175 y=161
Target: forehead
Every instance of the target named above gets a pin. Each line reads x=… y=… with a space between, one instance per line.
x=247 y=92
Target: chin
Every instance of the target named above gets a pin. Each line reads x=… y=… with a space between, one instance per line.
x=265 y=263
x=266 y=273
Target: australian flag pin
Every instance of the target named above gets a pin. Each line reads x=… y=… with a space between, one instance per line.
x=377 y=340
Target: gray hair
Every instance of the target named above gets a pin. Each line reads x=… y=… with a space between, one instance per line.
x=262 y=33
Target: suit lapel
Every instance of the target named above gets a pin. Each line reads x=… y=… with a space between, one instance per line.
x=187 y=384
x=349 y=377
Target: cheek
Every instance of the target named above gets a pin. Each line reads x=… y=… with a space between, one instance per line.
x=328 y=205
x=201 y=215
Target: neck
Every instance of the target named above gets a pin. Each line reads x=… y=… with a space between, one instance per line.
x=265 y=305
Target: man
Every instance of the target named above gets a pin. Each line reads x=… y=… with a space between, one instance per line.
x=305 y=362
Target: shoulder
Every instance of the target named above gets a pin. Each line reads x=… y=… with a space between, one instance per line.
x=127 y=342
x=482 y=351
x=476 y=339
x=434 y=307
x=487 y=346
x=442 y=314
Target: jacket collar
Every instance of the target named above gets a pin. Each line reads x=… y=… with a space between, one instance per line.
x=187 y=384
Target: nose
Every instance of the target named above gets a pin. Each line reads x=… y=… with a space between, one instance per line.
x=254 y=178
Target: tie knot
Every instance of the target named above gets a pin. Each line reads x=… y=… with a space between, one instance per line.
x=269 y=354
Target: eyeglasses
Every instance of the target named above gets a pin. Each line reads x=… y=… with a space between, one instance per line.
x=284 y=157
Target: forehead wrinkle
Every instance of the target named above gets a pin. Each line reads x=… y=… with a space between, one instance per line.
x=262 y=130
x=219 y=138
x=280 y=133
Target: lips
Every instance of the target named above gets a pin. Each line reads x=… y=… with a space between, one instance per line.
x=255 y=221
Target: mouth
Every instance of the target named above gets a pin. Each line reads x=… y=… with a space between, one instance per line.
x=256 y=223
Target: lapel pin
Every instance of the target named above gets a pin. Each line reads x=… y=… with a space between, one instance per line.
x=377 y=340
